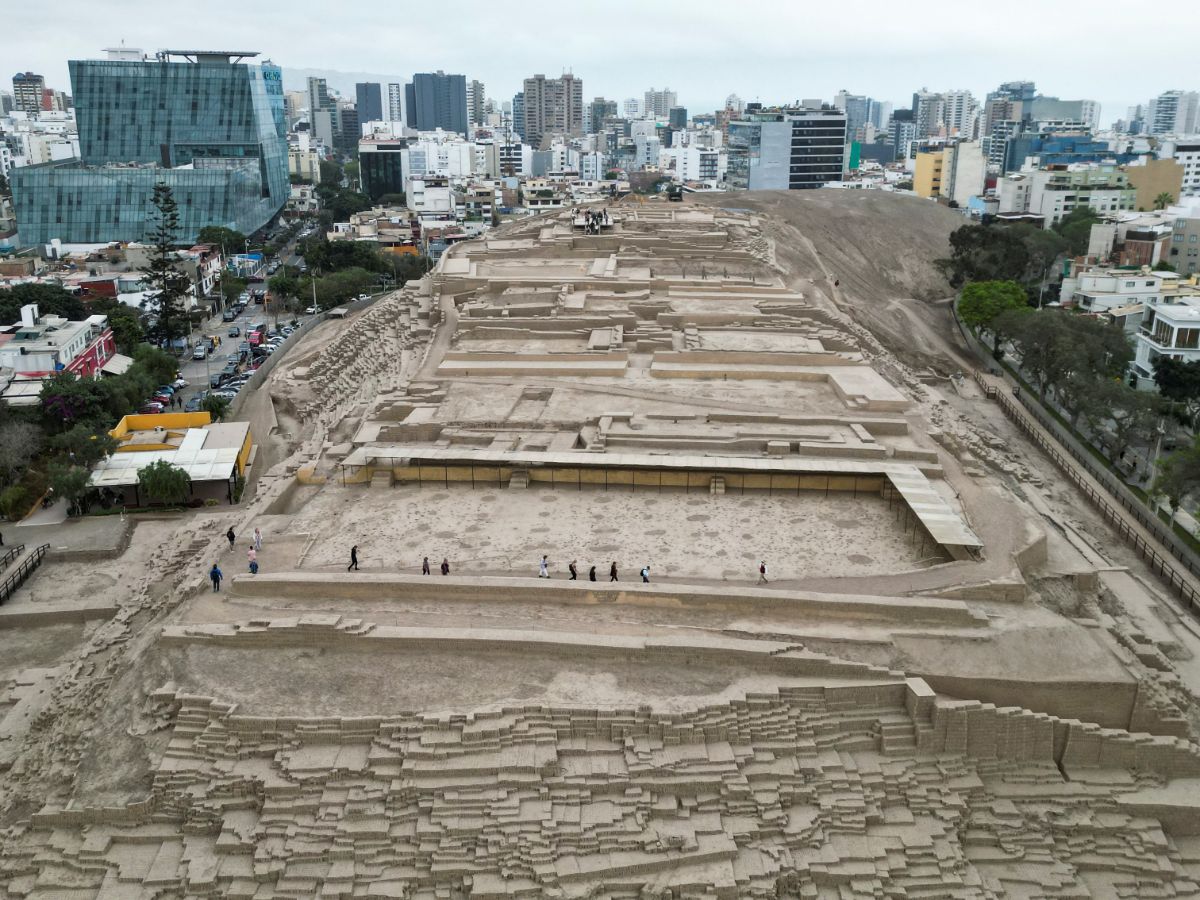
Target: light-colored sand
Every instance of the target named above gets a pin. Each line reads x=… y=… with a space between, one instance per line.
x=687 y=535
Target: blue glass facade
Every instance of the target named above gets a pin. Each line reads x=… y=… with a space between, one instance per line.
x=212 y=130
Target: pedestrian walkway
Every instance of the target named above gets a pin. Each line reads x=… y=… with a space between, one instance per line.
x=54 y=514
x=1178 y=573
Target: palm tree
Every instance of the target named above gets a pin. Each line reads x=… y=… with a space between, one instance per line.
x=1163 y=200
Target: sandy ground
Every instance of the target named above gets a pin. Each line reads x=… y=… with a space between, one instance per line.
x=691 y=535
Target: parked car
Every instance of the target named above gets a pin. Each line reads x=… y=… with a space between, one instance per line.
x=235 y=331
x=199 y=352
x=214 y=380
x=179 y=383
x=364 y=296
x=311 y=310
x=194 y=404
x=151 y=408
x=229 y=315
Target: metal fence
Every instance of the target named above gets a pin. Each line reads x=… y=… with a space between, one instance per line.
x=17 y=577
x=12 y=554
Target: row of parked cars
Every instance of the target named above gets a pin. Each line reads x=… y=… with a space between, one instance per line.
x=163 y=396
x=244 y=362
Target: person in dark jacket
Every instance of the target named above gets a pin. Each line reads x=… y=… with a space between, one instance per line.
x=232 y=537
x=425 y=566
x=215 y=576
x=612 y=571
x=445 y=566
x=353 y=559
x=592 y=574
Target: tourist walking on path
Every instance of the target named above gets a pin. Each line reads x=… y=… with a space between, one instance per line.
x=612 y=571
x=353 y=559
x=592 y=574
x=252 y=555
x=645 y=574
x=425 y=566
x=257 y=538
x=445 y=566
x=544 y=568
x=762 y=572
x=232 y=537
x=215 y=574
x=574 y=572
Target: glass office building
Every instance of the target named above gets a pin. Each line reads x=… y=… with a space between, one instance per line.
x=205 y=123
x=797 y=148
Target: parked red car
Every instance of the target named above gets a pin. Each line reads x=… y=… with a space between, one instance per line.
x=148 y=409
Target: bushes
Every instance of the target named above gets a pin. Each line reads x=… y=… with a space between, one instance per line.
x=14 y=502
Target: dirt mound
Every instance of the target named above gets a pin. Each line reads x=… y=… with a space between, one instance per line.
x=879 y=247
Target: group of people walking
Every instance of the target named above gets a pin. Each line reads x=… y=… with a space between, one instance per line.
x=215 y=575
x=593 y=219
x=573 y=571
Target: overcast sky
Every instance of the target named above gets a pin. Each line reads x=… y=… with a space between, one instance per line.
x=1115 y=51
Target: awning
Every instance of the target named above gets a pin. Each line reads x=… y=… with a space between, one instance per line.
x=117 y=365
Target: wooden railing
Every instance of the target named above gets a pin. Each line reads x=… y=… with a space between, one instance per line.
x=1116 y=503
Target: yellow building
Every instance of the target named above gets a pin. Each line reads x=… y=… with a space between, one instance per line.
x=1158 y=176
x=927 y=176
x=215 y=455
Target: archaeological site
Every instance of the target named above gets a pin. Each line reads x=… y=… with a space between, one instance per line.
x=839 y=626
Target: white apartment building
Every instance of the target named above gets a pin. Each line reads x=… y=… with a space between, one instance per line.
x=592 y=166
x=1054 y=191
x=1100 y=288
x=1168 y=329
x=694 y=163
x=515 y=159
x=430 y=197
x=1187 y=154
x=395 y=102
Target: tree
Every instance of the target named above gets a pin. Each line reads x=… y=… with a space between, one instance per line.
x=984 y=253
x=1179 y=382
x=51 y=300
x=162 y=482
x=228 y=239
x=1179 y=474
x=1130 y=416
x=983 y=302
x=83 y=446
x=161 y=367
x=67 y=400
x=216 y=407
x=168 y=286
x=396 y=199
x=124 y=320
x=20 y=443
x=1076 y=228
x=344 y=285
x=231 y=287
x=1163 y=200
x=331 y=174
x=71 y=484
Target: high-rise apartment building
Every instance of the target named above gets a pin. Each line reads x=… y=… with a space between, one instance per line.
x=437 y=100
x=632 y=107
x=658 y=103
x=7 y=103
x=902 y=131
x=960 y=114
x=27 y=92
x=476 y=97
x=518 y=114
x=395 y=103
x=552 y=106
x=293 y=103
x=318 y=95
x=1171 y=112
x=797 y=148
x=207 y=124
x=599 y=110
x=677 y=117
x=368 y=100
x=857 y=108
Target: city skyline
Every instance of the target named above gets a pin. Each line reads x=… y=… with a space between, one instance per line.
x=703 y=56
